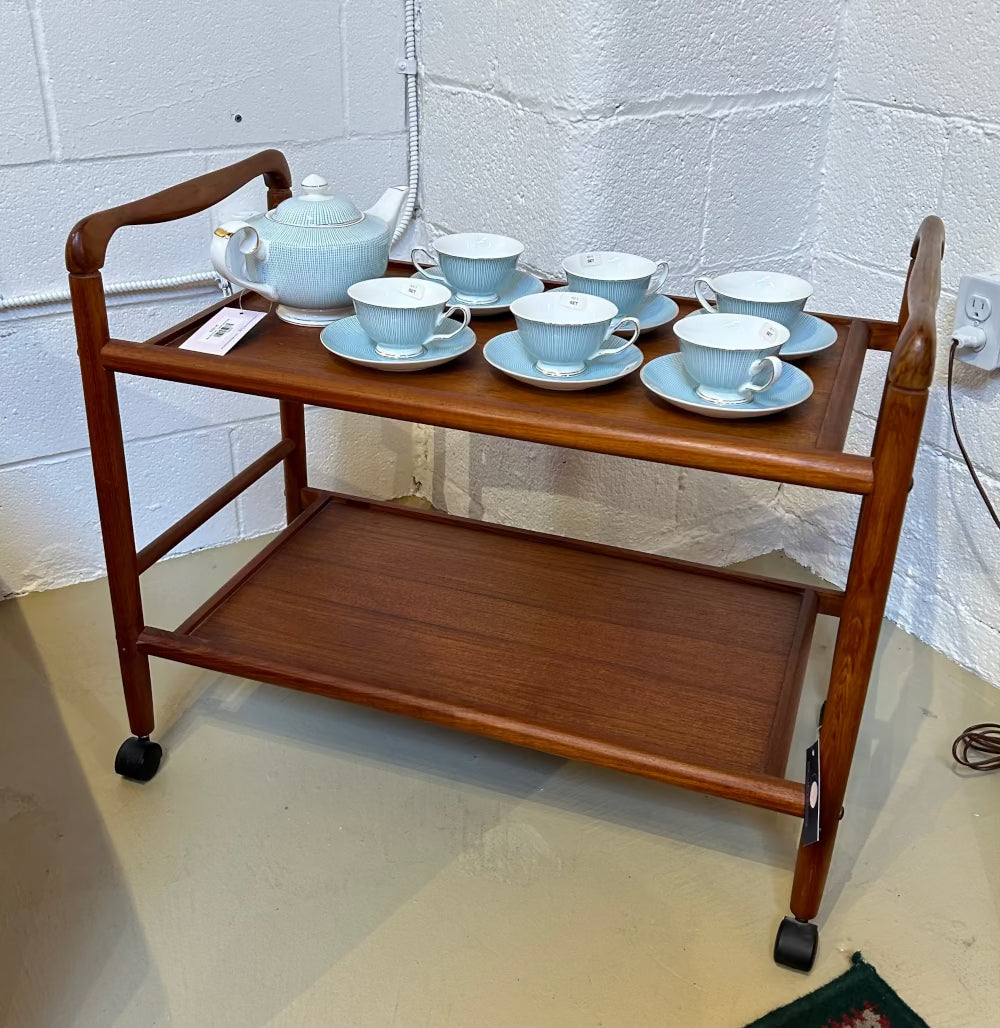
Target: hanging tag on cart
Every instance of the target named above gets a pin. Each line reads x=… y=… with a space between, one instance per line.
x=810 y=823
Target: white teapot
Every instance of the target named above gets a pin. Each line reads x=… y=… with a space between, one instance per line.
x=307 y=252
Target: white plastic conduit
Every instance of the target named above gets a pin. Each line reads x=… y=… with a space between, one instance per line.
x=408 y=67
x=142 y=285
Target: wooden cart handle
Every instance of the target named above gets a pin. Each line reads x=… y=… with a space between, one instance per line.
x=912 y=364
x=87 y=245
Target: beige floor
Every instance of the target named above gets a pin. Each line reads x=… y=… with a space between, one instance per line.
x=302 y=862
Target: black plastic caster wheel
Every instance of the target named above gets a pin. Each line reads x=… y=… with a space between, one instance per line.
x=138 y=758
x=795 y=944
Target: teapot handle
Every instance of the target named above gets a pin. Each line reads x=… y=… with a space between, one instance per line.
x=219 y=253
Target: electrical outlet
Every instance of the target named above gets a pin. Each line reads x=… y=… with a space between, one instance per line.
x=975 y=320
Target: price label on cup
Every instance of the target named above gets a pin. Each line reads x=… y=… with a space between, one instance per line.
x=575 y=303
x=415 y=289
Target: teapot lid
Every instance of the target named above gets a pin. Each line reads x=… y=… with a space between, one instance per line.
x=316 y=207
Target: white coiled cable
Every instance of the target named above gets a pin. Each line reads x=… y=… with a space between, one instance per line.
x=409 y=69
x=142 y=285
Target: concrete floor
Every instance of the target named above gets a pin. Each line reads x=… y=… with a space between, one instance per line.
x=301 y=862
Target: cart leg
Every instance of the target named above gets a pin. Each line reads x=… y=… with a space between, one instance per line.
x=138 y=757
x=293 y=426
x=875 y=542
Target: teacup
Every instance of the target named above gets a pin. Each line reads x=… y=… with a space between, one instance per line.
x=762 y=294
x=563 y=330
x=475 y=265
x=724 y=354
x=401 y=315
x=624 y=279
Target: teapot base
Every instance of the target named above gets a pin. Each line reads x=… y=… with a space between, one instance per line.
x=312 y=318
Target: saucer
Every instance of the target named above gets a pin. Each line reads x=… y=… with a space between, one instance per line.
x=523 y=283
x=810 y=335
x=654 y=312
x=346 y=338
x=506 y=354
x=667 y=378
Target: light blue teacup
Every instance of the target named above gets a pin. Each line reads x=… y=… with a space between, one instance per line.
x=476 y=266
x=624 y=279
x=761 y=294
x=401 y=315
x=563 y=330
x=726 y=353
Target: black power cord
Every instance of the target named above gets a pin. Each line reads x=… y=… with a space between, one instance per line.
x=984 y=738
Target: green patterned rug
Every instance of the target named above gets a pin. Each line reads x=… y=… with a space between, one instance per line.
x=857 y=999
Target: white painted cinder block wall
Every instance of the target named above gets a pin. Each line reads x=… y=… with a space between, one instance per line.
x=915 y=129
x=794 y=134
x=631 y=126
x=805 y=135
x=101 y=109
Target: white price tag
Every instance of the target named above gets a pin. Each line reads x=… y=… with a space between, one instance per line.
x=574 y=302
x=414 y=289
x=222 y=331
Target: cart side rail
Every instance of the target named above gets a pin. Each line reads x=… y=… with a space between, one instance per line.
x=912 y=363
x=87 y=245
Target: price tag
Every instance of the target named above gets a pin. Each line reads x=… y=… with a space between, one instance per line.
x=415 y=289
x=222 y=331
x=574 y=301
x=810 y=824
x=589 y=259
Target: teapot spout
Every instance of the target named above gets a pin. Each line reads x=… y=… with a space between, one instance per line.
x=389 y=205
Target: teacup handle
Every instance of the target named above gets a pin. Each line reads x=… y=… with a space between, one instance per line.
x=757 y=367
x=700 y=285
x=659 y=277
x=619 y=324
x=425 y=272
x=444 y=336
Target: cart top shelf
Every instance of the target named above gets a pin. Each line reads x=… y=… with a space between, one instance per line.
x=804 y=445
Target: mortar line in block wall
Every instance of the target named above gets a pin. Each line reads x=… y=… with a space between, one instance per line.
x=238 y=150
x=345 y=90
x=818 y=225
x=918 y=110
x=45 y=80
x=179 y=433
x=708 y=187
x=717 y=105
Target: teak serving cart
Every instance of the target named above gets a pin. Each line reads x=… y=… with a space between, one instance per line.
x=682 y=673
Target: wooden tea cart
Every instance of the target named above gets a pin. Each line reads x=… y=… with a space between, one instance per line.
x=687 y=674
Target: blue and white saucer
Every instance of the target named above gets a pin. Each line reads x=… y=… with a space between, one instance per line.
x=667 y=378
x=523 y=283
x=654 y=312
x=506 y=354
x=346 y=338
x=810 y=335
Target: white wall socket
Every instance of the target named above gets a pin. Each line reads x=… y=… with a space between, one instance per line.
x=978 y=307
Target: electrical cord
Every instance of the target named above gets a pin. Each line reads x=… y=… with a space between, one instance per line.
x=955 y=343
x=984 y=738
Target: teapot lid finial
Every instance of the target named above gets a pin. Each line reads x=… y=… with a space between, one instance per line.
x=315 y=184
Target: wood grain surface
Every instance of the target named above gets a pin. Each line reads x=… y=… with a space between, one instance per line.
x=803 y=446
x=425 y=613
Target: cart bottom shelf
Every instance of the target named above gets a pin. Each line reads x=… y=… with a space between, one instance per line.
x=686 y=674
